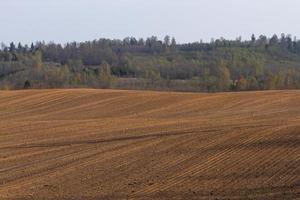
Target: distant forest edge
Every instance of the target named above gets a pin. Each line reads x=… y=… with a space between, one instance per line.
x=260 y=63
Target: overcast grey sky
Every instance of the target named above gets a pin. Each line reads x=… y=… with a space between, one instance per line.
x=187 y=20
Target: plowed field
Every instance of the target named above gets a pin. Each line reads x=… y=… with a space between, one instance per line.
x=106 y=144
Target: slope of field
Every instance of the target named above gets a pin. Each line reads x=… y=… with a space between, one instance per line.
x=105 y=144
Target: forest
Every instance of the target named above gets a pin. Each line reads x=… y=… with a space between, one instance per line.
x=259 y=63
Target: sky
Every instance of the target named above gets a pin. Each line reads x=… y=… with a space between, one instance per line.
x=64 y=21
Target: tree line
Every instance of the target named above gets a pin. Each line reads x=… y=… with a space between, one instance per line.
x=260 y=63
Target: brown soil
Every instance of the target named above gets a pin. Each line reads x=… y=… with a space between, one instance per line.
x=106 y=144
